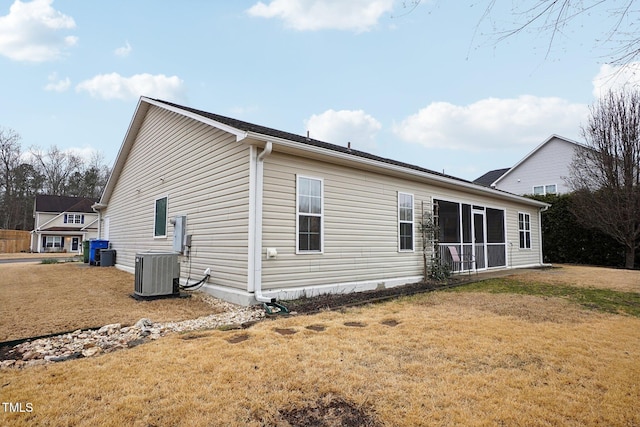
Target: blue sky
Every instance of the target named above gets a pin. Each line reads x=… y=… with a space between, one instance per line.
x=431 y=86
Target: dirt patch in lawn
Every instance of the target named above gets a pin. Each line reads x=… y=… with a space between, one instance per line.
x=329 y=412
x=42 y=299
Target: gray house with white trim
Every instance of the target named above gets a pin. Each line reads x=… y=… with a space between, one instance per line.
x=278 y=215
x=543 y=171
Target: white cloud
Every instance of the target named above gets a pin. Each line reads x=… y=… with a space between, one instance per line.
x=124 y=51
x=616 y=77
x=492 y=123
x=86 y=153
x=115 y=86
x=33 y=32
x=341 y=127
x=57 y=85
x=305 y=15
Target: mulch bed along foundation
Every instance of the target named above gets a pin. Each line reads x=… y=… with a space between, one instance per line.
x=342 y=300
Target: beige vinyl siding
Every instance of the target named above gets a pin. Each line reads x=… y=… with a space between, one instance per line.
x=204 y=173
x=523 y=257
x=44 y=219
x=360 y=225
x=48 y=220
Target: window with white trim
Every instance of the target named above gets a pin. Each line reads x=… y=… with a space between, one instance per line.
x=309 y=213
x=405 y=221
x=74 y=219
x=160 y=217
x=524 y=230
x=542 y=190
x=53 y=242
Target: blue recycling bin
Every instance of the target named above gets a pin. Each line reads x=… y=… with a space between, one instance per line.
x=94 y=250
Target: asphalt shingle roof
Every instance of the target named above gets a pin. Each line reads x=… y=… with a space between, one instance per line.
x=490 y=177
x=49 y=203
x=250 y=127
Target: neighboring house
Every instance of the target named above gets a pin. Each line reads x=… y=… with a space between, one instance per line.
x=62 y=223
x=278 y=215
x=542 y=171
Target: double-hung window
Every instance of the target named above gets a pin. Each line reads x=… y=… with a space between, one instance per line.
x=541 y=190
x=160 y=218
x=309 y=214
x=73 y=219
x=53 y=242
x=524 y=229
x=405 y=221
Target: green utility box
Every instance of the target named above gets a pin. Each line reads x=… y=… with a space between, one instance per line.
x=85 y=251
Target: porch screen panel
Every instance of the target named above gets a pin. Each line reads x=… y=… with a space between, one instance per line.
x=496 y=244
x=466 y=223
x=449 y=217
x=449 y=221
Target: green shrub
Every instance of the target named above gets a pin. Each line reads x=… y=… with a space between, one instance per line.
x=439 y=270
x=565 y=240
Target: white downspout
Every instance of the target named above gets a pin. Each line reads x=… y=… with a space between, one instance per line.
x=99 y=236
x=542 y=209
x=98 y=207
x=257 y=227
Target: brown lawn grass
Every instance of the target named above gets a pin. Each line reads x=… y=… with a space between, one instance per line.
x=583 y=276
x=39 y=299
x=472 y=359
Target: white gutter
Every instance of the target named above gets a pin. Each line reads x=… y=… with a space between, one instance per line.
x=434 y=178
x=255 y=241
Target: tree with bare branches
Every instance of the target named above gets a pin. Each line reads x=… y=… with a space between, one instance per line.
x=618 y=18
x=605 y=173
x=10 y=152
x=554 y=17
x=57 y=166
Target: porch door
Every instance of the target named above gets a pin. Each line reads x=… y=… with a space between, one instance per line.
x=75 y=244
x=479 y=241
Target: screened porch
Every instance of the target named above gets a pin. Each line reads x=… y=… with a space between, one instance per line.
x=476 y=233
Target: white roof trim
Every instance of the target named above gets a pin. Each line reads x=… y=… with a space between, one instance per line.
x=475 y=188
x=240 y=135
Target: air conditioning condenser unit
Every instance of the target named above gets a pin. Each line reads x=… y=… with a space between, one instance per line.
x=157 y=274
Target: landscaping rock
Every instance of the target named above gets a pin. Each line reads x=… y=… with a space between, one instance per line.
x=110 y=329
x=7 y=363
x=143 y=323
x=91 y=351
x=112 y=337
